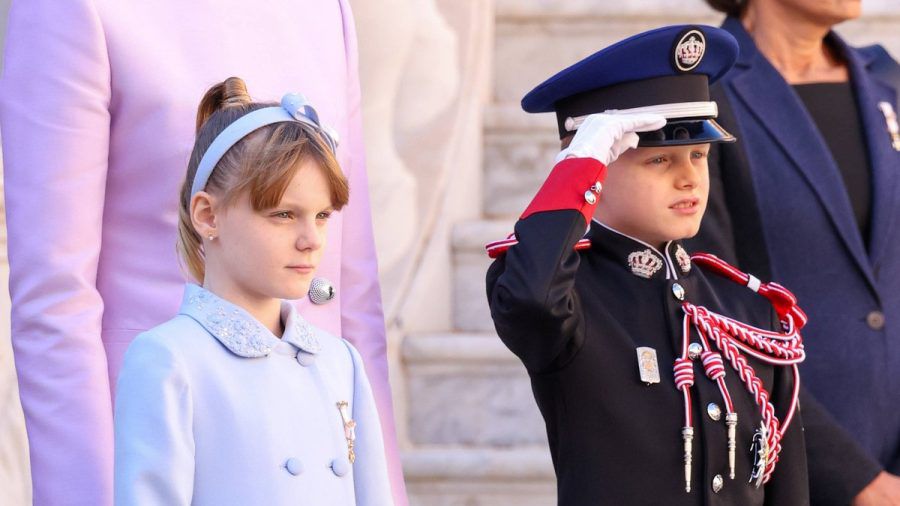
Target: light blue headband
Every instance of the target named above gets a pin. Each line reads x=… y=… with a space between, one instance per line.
x=294 y=107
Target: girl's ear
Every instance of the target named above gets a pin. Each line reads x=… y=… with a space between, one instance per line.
x=203 y=215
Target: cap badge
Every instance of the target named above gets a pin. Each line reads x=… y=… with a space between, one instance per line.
x=644 y=263
x=689 y=50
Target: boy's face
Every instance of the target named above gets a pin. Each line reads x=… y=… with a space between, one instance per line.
x=274 y=253
x=656 y=194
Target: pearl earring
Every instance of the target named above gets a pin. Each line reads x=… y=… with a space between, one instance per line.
x=211 y=237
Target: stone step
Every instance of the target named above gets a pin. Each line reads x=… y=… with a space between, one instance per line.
x=470 y=264
x=452 y=476
x=468 y=390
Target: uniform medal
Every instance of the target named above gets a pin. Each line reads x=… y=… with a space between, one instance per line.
x=760 y=451
x=648 y=365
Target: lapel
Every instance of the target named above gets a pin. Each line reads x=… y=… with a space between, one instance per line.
x=883 y=159
x=775 y=106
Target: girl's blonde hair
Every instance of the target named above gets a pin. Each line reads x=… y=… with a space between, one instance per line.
x=261 y=164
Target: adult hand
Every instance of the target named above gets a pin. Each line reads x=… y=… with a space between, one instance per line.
x=604 y=137
x=883 y=491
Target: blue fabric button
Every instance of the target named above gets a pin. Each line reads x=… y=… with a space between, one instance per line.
x=305 y=359
x=340 y=466
x=294 y=466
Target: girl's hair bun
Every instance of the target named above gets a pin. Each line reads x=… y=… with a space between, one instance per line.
x=230 y=93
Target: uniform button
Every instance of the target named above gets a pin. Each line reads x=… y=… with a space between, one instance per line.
x=714 y=411
x=694 y=351
x=294 y=466
x=590 y=197
x=678 y=291
x=305 y=359
x=717 y=483
x=875 y=319
x=597 y=187
x=340 y=467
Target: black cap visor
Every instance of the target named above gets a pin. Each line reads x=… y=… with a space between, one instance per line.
x=681 y=132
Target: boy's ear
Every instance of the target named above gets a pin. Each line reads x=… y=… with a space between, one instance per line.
x=203 y=214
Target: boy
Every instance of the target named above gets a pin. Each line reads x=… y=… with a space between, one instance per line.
x=613 y=323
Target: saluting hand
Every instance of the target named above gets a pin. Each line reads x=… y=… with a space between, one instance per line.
x=604 y=136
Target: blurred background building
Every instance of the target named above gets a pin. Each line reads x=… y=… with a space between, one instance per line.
x=452 y=161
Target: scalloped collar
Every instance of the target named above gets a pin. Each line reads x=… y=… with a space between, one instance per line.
x=240 y=332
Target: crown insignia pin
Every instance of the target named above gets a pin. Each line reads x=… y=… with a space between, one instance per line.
x=644 y=263
x=683 y=259
x=689 y=50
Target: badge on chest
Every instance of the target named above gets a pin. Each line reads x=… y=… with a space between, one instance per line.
x=648 y=365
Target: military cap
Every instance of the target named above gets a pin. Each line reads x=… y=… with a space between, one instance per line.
x=665 y=71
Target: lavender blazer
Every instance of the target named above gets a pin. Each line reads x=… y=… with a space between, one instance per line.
x=97 y=109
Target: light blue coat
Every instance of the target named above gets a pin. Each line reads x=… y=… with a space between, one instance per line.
x=213 y=409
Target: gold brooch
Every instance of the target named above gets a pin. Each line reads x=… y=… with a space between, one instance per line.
x=349 y=429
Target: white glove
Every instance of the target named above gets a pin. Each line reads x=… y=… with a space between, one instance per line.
x=604 y=137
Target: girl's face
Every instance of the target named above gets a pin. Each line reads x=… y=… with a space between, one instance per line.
x=656 y=194
x=273 y=253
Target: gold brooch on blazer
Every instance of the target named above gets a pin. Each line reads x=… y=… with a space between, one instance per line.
x=349 y=429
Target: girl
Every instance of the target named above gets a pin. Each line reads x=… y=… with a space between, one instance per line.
x=237 y=399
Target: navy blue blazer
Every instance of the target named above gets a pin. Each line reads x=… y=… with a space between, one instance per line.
x=778 y=206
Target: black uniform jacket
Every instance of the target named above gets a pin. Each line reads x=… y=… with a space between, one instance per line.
x=575 y=319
